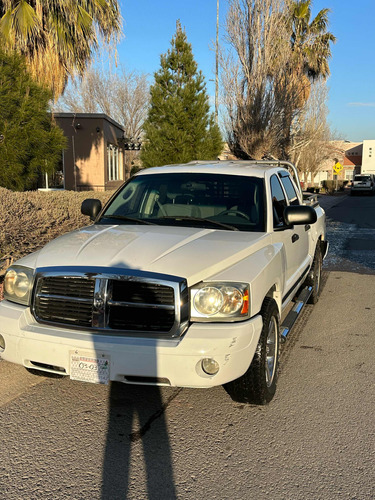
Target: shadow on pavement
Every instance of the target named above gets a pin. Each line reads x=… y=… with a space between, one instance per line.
x=137 y=428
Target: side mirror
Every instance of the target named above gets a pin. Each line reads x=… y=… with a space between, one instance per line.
x=299 y=214
x=91 y=207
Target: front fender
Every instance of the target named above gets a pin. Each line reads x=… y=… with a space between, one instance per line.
x=263 y=270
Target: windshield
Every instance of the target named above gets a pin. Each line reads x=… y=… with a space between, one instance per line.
x=226 y=202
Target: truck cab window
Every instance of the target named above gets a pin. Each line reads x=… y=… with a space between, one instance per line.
x=290 y=189
x=278 y=202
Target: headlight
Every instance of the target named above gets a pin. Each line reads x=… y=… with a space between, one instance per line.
x=208 y=300
x=220 y=302
x=18 y=284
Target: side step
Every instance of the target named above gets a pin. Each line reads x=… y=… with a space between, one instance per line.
x=293 y=314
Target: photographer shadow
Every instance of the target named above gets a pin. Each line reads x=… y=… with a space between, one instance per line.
x=136 y=425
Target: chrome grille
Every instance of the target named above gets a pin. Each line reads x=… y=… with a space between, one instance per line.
x=67 y=286
x=145 y=304
x=141 y=306
x=66 y=300
x=142 y=293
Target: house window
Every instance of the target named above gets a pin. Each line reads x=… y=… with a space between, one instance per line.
x=349 y=174
x=113 y=163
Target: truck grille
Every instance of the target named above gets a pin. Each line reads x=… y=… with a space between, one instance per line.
x=115 y=304
x=65 y=300
x=141 y=306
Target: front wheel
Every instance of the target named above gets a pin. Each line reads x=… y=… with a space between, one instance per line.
x=258 y=384
x=314 y=277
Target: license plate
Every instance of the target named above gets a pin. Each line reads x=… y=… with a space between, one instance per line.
x=88 y=368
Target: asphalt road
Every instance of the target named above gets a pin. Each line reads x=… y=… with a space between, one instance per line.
x=351 y=230
x=62 y=439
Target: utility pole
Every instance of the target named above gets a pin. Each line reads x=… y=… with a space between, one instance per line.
x=217 y=65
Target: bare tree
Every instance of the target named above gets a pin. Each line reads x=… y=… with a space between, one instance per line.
x=259 y=95
x=275 y=54
x=311 y=133
x=123 y=95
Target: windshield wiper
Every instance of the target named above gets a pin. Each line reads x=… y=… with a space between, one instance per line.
x=126 y=218
x=199 y=219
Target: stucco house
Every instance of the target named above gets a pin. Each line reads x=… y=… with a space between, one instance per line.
x=95 y=158
x=348 y=153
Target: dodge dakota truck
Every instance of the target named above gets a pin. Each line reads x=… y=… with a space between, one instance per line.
x=190 y=276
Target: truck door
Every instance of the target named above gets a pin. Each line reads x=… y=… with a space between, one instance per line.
x=296 y=238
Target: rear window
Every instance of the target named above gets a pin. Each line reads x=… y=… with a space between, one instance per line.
x=289 y=188
x=362 y=178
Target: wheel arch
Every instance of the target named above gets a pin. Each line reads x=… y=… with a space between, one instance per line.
x=275 y=293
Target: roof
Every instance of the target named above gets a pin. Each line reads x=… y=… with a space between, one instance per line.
x=96 y=116
x=344 y=146
x=352 y=160
x=237 y=167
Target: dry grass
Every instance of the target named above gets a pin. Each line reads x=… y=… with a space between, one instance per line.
x=29 y=220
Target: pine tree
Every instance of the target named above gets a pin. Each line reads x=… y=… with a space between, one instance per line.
x=179 y=127
x=30 y=143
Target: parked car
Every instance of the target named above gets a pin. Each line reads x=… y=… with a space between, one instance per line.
x=363 y=183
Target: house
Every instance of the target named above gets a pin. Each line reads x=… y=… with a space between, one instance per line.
x=368 y=157
x=348 y=154
x=95 y=158
x=353 y=160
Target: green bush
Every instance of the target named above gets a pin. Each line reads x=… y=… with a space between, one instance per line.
x=31 y=143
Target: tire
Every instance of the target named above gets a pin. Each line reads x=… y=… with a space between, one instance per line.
x=258 y=384
x=314 y=277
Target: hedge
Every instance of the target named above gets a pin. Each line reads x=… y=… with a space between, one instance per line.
x=30 y=219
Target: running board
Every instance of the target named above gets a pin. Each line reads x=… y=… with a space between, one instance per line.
x=293 y=314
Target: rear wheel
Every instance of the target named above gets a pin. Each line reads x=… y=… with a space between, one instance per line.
x=258 y=384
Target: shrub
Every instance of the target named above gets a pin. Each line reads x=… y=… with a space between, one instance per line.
x=29 y=220
x=331 y=185
x=31 y=142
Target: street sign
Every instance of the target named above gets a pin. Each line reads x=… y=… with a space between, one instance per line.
x=337 y=167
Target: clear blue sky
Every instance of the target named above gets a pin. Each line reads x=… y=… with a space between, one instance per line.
x=150 y=24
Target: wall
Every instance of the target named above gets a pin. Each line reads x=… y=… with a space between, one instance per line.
x=85 y=159
x=368 y=158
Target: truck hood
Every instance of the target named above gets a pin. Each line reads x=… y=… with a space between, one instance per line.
x=192 y=253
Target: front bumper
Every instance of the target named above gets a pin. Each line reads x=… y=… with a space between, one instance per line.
x=174 y=362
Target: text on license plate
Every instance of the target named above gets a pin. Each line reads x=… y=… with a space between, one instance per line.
x=87 y=368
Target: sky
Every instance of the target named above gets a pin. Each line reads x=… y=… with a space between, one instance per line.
x=149 y=25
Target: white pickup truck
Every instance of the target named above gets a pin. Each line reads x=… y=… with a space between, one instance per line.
x=182 y=280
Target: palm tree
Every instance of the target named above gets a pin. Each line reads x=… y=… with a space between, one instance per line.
x=310 y=44
x=57 y=37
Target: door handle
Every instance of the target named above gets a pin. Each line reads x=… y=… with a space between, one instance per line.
x=307 y=227
x=295 y=237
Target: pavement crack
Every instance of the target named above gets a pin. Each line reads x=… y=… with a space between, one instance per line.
x=136 y=436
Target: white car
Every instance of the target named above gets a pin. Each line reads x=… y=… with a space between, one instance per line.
x=363 y=183
x=181 y=281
